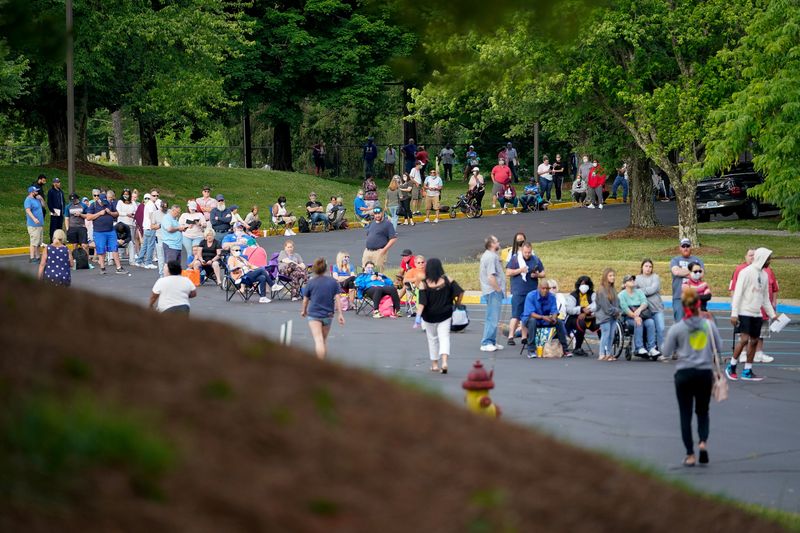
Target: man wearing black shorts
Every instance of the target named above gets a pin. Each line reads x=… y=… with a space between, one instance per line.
x=76 y=224
x=750 y=295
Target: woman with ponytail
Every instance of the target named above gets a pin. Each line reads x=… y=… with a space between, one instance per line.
x=693 y=340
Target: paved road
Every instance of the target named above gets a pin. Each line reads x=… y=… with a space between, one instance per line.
x=626 y=409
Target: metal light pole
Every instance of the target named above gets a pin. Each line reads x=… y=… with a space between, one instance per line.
x=70 y=105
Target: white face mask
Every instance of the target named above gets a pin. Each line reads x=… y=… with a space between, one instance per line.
x=697 y=276
x=283 y=204
x=585 y=159
x=583 y=288
x=594 y=164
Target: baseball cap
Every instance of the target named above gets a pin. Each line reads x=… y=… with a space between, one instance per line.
x=191 y=204
x=147 y=196
x=234 y=206
x=206 y=187
x=32 y=189
x=628 y=277
x=103 y=196
x=73 y=196
x=56 y=180
x=220 y=198
x=686 y=242
x=84 y=199
x=406 y=253
x=476 y=169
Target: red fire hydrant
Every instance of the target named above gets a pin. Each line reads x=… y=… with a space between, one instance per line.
x=478 y=384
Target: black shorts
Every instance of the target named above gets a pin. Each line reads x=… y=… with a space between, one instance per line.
x=751 y=326
x=77 y=235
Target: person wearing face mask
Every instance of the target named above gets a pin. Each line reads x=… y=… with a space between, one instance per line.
x=237 y=237
x=679 y=267
x=361 y=208
x=127 y=210
x=596 y=181
x=280 y=216
x=583 y=171
x=650 y=284
x=375 y=286
x=695 y=280
x=245 y=273
x=633 y=305
x=581 y=305
x=579 y=189
x=221 y=218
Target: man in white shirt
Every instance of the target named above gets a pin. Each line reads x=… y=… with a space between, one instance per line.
x=171 y=293
x=433 y=189
x=145 y=257
x=545 y=178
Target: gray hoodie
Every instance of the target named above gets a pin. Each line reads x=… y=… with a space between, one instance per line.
x=651 y=287
x=689 y=339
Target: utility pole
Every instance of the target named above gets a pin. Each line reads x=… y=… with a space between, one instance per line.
x=70 y=104
x=535 y=146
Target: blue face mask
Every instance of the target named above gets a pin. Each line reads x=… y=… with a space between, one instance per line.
x=369 y=270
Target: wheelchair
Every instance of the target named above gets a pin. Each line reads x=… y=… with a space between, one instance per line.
x=623 y=342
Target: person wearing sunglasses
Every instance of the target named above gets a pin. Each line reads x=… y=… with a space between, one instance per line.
x=245 y=273
x=145 y=257
x=344 y=273
x=679 y=266
x=381 y=236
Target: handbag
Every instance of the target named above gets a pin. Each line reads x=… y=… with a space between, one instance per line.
x=646 y=314
x=719 y=390
x=460 y=318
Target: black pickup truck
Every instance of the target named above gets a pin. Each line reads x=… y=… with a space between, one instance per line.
x=727 y=194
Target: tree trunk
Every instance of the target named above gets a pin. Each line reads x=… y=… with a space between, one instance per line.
x=643 y=210
x=409 y=126
x=56 y=124
x=82 y=121
x=148 y=143
x=247 y=139
x=282 y=147
x=123 y=157
x=687 y=209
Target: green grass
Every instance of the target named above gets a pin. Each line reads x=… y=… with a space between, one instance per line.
x=769 y=223
x=244 y=187
x=565 y=259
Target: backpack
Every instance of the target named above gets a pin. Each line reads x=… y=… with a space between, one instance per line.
x=302 y=225
x=386 y=307
x=81 y=259
x=344 y=302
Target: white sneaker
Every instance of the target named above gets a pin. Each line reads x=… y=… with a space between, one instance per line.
x=151 y=266
x=590 y=206
x=295 y=298
x=761 y=357
x=641 y=351
x=276 y=287
x=287 y=233
x=600 y=206
x=405 y=222
x=264 y=300
x=426 y=220
x=498 y=346
x=488 y=347
x=436 y=220
x=502 y=211
x=513 y=211
x=653 y=352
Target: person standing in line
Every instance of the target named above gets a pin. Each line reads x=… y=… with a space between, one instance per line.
x=416 y=193
x=389 y=161
x=320 y=301
x=381 y=236
x=433 y=189
x=621 y=181
x=501 y=176
x=559 y=171
x=583 y=172
x=405 y=190
x=596 y=181
x=606 y=314
x=650 y=284
x=56 y=206
x=205 y=203
x=34 y=219
x=524 y=269
x=477 y=186
x=318 y=155
x=448 y=157
x=171 y=293
x=437 y=294
x=513 y=161
x=423 y=157
x=472 y=161
x=693 y=340
x=145 y=259
x=221 y=218
x=56 y=264
x=760 y=357
x=370 y=154
x=195 y=224
x=544 y=171
x=172 y=235
x=493 y=289
x=157 y=217
x=76 y=224
x=40 y=184
x=127 y=210
x=409 y=155
x=750 y=296
x=102 y=214
x=679 y=266
x=392 y=201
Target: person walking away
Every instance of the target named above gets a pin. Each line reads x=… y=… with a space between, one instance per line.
x=596 y=181
x=760 y=357
x=493 y=289
x=633 y=305
x=679 y=267
x=693 y=341
x=545 y=178
x=56 y=206
x=750 y=295
x=583 y=172
x=477 y=186
x=650 y=284
x=56 y=264
x=437 y=294
x=621 y=180
x=524 y=269
x=607 y=313
x=409 y=155
x=392 y=202
x=320 y=301
x=447 y=156
x=370 y=154
x=381 y=236
x=34 y=220
x=172 y=235
x=171 y=293
x=389 y=161
x=127 y=210
x=433 y=190
x=513 y=161
x=559 y=170
x=103 y=215
x=404 y=190
x=501 y=176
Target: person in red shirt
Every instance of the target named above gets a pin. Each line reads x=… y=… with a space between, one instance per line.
x=501 y=176
x=422 y=155
x=760 y=357
x=597 y=179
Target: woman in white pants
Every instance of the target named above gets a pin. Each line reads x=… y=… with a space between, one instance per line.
x=437 y=295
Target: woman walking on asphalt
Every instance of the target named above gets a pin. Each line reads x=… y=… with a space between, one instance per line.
x=320 y=301
x=436 y=298
x=694 y=340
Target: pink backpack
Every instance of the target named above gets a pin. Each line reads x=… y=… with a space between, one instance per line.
x=386 y=307
x=344 y=302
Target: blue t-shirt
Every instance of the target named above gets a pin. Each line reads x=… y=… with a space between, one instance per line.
x=541 y=305
x=520 y=286
x=173 y=240
x=104 y=223
x=321 y=291
x=36 y=208
x=359 y=204
x=339 y=272
x=682 y=262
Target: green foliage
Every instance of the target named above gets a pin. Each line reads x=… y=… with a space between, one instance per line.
x=764 y=117
x=48 y=445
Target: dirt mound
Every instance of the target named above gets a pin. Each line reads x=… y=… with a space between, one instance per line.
x=89 y=169
x=268 y=439
x=659 y=232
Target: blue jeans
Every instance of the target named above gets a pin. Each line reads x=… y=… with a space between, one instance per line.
x=503 y=201
x=393 y=215
x=368 y=167
x=161 y=260
x=494 y=302
x=148 y=247
x=260 y=276
x=658 y=319
x=677 y=310
x=607 y=337
x=544 y=188
x=638 y=333
x=318 y=218
x=187 y=246
x=620 y=180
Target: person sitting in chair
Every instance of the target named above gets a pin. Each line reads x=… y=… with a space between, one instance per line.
x=531 y=198
x=246 y=274
x=507 y=195
x=291 y=265
x=541 y=311
x=280 y=216
x=362 y=209
x=237 y=237
x=343 y=273
x=315 y=211
x=581 y=306
x=375 y=286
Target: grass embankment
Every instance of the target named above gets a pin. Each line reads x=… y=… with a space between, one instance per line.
x=244 y=187
x=566 y=259
x=768 y=223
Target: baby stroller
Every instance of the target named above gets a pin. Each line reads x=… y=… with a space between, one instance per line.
x=468 y=205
